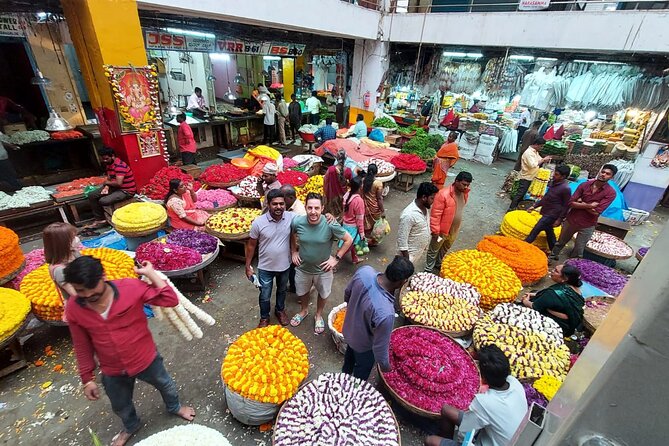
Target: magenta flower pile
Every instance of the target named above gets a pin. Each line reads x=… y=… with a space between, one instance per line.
x=429 y=369
x=167 y=256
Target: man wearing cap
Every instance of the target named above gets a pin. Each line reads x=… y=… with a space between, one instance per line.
x=268 y=181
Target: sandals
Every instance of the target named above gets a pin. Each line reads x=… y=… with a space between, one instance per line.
x=319 y=326
x=297 y=319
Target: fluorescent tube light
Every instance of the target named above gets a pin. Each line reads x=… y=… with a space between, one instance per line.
x=190 y=33
x=547 y=59
x=474 y=55
x=271 y=58
x=599 y=62
x=453 y=54
x=518 y=57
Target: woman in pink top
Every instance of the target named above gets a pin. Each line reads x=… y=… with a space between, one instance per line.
x=180 y=204
x=354 y=215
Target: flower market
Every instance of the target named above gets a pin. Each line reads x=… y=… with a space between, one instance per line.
x=174 y=191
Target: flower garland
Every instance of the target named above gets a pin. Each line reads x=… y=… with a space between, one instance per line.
x=527 y=261
x=167 y=256
x=336 y=406
x=495 y=281
x=314 y=184
x=233 y=220
x=34 y=259
x=518 y=224
x=266 y=364
x=293 y=177
x=408 y=162
x=139 y=217
x=548 y=386
x=429 y=369
x=431 y=283
x=152 y=117
x=601 y=276
x=442 y=312
x=609 y=245
x=14 y=308
x=11 y=256
x=338 y=323
x=199 y=241
x=222 y=173
x=209 y=199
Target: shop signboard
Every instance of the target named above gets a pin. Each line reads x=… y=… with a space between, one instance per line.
x=259 y=48
x=533 y=5
x=156 y=40
x=12 y=25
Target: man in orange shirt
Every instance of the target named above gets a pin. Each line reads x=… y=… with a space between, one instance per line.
x=445 y=219
x=187 y=145
x=446 y=158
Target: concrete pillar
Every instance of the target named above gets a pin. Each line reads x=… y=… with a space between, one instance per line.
x=370 y=64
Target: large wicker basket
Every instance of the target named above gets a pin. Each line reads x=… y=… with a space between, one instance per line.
x=593 y=317
x=226 y=236
x=11 y=276
x=337 y=337
x=214 y=185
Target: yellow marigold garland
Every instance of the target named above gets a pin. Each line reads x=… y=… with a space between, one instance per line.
x=314 y=184
x=14 y=308
x=138 y=217
x=266 y=364
x=519 y=224
x=233 y=220
x=527 y=261
x=440 y=311
x=47 y=303
x=11 y=256
x=548 y=386
x=496 y=282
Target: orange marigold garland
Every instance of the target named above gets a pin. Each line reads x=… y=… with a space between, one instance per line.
x=496 y=281
x=527 y=261
x=11 y=256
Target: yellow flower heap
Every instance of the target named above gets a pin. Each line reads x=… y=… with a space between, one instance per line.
x=314 y=184
x=139 y=217
x=266 y=364
x=233 y=220
x=47 y=303
x=548 y=386
x=496 y=281
x=531 y=354
x=440 y=311
x=519 y=224
x=14 y=308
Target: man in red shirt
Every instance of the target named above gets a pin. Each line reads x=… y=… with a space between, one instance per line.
x=119 y=186
x=107 y=321
x=590 y=199
x=187 y=145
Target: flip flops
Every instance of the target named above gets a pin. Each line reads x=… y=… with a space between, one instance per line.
x=297 y=319
x=319 y=327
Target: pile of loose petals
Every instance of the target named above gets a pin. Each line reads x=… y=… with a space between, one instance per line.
x=609 y=245
x=429 y=369
x=167 y=256
x=266 y=364
x=601 y=276
x=214 y=198
x=233 y=220
x=548 y=386
x=199 y=241
x=338 y=323
x=496 y=281
x=314 y=184
x=527 y=261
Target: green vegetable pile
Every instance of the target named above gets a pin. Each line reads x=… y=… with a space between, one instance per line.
x=28 y=136
x=385 y=123
x=554 y=147
x=408 y=130
x=423 y=145
x=575 y=171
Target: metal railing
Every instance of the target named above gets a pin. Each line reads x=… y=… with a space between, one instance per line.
x=446 y=6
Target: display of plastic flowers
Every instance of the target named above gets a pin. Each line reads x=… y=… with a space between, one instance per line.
x=601 y=276
x=496 y=281
x=47 y=303
x=266 y=364
x=233 y=220
x=518 y=224
x=14 y=308
x=527 y=261
x=34 y=259
x=199 y=241
x=11 y=256
x=194 y=434
x=530 y=354
x=439 y=311
x=431 y=283
x=138 y=217
x=293 y=177
x=248 y=187
x=222 y=173
x=384 y=167
x=167 y=256
x=214 y=198
x=336 y=409
x=609 y=245
x=548 y=386
x=429 y=369
x=314 y=184
x=157 y=188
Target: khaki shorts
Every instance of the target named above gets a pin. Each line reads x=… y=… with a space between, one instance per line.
x=322 y=282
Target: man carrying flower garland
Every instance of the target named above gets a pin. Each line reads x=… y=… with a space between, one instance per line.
x=107 y=322
x=270 y=233
x=370 y=315
x=314 y=260
x=494 y=415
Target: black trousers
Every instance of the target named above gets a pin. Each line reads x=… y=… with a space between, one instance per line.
x=187 y=158
x=523 y=186
x=268 y=134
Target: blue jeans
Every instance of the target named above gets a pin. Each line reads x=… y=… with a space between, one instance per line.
x=265 y=298
x=358 y=364
x=545 y=223
x=119 y=389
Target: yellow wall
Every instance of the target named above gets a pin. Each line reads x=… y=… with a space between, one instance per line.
x=288 y=66
x=353 y=114
x=104 y=32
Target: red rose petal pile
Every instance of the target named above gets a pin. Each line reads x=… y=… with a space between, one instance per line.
x=157 y=188
x=408 y=162
x=222 y=173
x=167 y=256
x=293 y=177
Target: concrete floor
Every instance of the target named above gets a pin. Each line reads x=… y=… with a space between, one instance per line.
x=61 y=415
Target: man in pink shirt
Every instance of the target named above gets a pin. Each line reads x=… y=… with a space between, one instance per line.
x=186 y=140
x=107 y=322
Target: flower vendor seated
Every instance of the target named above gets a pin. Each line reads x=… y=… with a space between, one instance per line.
x=359 y=130
x=495 y=414
x=561 y=302
x=180 y=204
x=61 y=246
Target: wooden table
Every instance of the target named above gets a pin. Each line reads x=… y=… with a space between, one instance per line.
x=613 y=227
x=36 y=209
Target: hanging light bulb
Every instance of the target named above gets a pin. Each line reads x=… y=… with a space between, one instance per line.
x=174 y=110
x=57 y=123
x=239 y=79
x=39 y=79
x=230 y=95
x=211 y=78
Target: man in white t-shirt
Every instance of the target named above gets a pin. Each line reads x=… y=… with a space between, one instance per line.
x=495 y=414
x=314 y=107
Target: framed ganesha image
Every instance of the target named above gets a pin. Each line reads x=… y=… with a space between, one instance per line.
x=149 y=144
x=135 y=92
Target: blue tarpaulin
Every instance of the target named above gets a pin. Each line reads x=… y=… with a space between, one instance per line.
x=615 y=209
